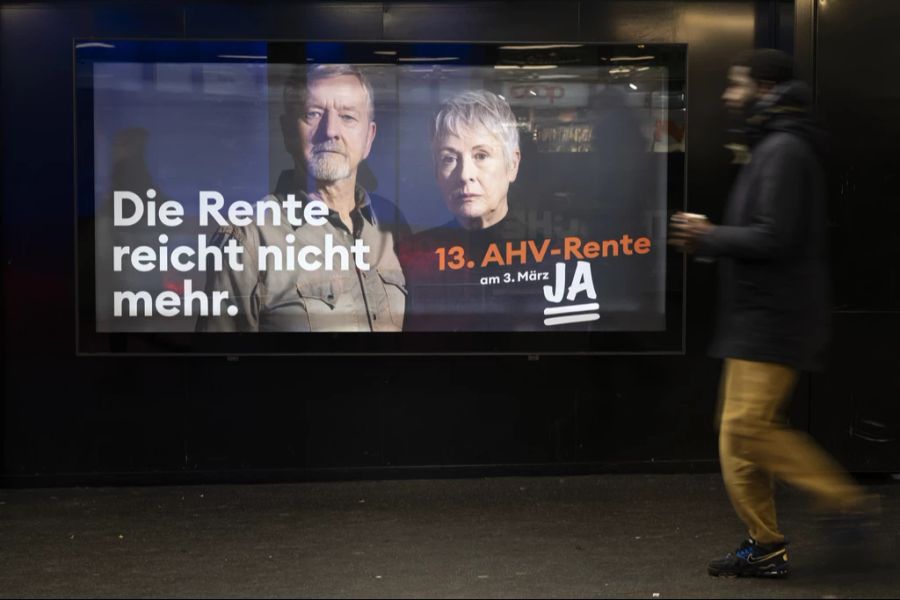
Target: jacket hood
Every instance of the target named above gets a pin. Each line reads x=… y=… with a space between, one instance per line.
x=787 y=108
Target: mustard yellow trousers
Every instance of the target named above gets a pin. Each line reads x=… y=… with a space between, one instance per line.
x=756 y=446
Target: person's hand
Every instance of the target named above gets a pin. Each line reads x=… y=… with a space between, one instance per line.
x=686 y=229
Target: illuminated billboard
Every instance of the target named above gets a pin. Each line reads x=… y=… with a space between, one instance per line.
x=324 y=197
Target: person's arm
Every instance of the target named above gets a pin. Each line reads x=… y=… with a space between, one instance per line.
x=776 y=212
x=242 y=286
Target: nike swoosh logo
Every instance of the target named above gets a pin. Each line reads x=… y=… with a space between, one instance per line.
x=758 y=559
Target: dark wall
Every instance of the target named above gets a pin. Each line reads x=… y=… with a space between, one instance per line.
x=71 y=419
x=859 y=91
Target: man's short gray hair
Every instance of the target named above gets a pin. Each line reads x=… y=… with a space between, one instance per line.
x=473 y=109
x=300 y=79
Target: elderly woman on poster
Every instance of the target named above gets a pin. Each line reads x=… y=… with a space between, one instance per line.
x=456 y=276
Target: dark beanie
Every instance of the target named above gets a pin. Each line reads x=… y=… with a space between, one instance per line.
x=767 y=64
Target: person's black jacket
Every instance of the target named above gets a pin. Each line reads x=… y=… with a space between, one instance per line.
x=774 y=283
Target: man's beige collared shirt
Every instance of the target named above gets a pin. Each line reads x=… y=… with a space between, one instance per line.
x=319 y=300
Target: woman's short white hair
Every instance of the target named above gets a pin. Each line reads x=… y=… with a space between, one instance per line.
x=475 y=109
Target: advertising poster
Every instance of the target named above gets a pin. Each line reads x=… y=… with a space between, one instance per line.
x=254 y=187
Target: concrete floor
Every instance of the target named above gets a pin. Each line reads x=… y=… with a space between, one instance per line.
x=641 y=536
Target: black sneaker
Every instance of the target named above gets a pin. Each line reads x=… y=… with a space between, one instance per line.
x=753 y=560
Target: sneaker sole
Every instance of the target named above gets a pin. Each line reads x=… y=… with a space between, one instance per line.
x=777 y=574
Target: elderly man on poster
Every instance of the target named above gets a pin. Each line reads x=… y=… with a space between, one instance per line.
x=328 y=128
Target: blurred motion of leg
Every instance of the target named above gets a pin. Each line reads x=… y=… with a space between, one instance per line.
x=755 y=445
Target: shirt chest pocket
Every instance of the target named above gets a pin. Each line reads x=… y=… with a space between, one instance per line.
x=393 y=300
x=393 y=278
x=329 y=305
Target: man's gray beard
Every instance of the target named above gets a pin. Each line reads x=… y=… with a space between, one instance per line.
x=329 y=167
